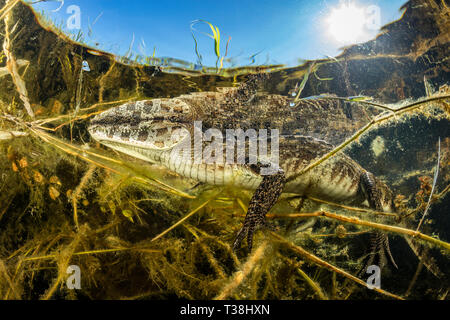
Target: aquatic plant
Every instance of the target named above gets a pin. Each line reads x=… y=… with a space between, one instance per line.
x=215 y=36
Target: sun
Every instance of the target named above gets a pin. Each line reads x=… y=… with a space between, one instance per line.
x=346 y=23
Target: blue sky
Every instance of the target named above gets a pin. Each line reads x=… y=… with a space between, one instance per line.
x=280 y=31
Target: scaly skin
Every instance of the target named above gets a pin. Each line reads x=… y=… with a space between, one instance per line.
x=151 y=129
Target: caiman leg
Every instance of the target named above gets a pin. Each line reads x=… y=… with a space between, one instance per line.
x=380 y=240
x=261 y=202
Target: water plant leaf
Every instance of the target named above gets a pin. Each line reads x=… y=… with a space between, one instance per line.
x=128 y=214
x=303 y=83
x=215 y=36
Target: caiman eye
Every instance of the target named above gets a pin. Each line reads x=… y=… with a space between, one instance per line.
x=255 y=168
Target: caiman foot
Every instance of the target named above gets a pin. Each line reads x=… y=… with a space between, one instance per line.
x=380 y=248
x=380 y=240
x=261 y=202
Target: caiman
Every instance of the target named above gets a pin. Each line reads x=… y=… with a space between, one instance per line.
x=151 y=129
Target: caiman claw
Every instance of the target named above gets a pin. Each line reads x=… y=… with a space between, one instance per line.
x=261 y=202
x=380 y=241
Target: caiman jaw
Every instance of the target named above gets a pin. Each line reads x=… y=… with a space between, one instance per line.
x=157 y=124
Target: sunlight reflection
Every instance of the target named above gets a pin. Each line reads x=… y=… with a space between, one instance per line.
x=349 y=23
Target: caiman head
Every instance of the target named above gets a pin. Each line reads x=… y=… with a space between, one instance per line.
x=142 y=127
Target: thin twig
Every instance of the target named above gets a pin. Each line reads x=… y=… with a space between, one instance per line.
x=86 y=177
x=352 y=208
x=182 y=220
x=8 y=6
x=370 y=224
x=4 y=271
x=436 y=173
x=54 y=256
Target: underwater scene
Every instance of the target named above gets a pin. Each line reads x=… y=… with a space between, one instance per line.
x=190 y=150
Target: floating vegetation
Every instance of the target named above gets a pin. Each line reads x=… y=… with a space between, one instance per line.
x=216 y=37
x=139 y=231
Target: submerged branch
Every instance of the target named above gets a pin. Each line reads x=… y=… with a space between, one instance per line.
x=8 y=7
x=370 y=224
x=353 y=208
